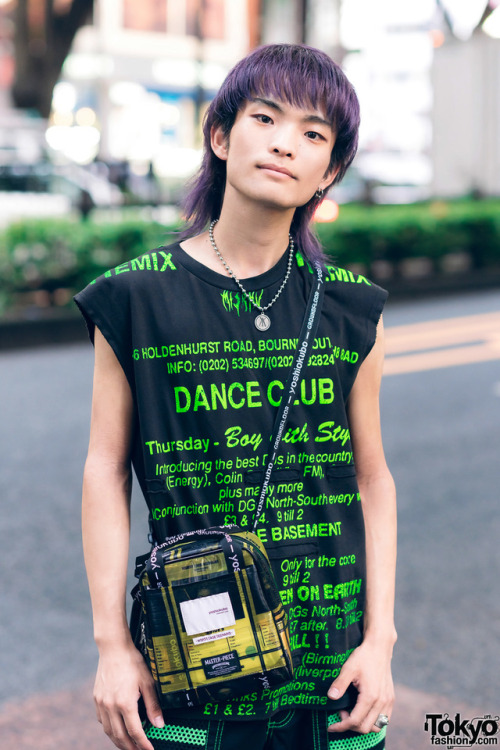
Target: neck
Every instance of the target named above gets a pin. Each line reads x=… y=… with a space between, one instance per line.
x=252 y=242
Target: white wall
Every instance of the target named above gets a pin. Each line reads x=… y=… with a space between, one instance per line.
x=466 y=117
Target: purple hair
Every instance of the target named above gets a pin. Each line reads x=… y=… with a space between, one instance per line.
x=303 y=77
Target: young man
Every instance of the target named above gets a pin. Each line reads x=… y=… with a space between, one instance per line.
x=193 y=344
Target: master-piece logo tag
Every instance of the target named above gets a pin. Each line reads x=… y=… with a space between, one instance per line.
x=208 y=613
x=221 y=665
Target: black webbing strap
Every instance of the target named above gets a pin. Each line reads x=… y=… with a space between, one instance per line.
x=306 y=338
x=154 y=561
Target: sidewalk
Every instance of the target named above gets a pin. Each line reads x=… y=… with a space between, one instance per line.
x=66 y=720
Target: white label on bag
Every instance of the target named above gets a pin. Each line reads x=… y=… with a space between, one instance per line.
x=207 y=613
x=213 y=637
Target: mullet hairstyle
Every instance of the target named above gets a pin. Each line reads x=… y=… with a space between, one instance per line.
x=303 y=77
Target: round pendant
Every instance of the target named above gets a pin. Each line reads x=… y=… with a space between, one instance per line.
x=262 y=322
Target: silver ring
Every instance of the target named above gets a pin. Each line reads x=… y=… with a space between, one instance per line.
x=382 y=721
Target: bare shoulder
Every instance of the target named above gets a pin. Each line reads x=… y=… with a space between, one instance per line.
x=370 y=373
x=112 y=404
x=364 y=411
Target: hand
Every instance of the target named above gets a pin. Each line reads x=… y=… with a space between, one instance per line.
x=122 y=676
x=369 y=669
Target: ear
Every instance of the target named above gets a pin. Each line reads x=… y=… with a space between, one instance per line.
x=219 y=142
x=328 y=178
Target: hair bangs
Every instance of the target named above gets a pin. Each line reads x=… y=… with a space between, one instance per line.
x=298 y=75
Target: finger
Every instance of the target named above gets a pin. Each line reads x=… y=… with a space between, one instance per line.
x=340 y=685
x=103 y=717
x=119 y=734
x=106 y=724
x=150 y=698
x=367 y=724
x=135 y=731
x=384 y=711
x=358 y=717
x=384 y=708
x=98 y=704
x=343 y=715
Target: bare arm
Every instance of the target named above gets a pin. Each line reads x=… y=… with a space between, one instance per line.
x=122 y=675
x=369 y=665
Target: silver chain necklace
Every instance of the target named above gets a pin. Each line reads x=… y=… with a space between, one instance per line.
x=262 y=321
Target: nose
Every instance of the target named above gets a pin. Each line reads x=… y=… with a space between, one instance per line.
x=284 y=142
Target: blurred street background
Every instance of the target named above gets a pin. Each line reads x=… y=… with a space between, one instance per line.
x=101 y=103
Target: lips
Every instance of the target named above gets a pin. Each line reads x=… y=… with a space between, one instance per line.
x=275 y=168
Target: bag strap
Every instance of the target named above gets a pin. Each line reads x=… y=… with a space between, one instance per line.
x=306 y=338
x=307 y=334
x=153 y=562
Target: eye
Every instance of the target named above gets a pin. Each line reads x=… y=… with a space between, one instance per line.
x=314 y=136
x=265 y=119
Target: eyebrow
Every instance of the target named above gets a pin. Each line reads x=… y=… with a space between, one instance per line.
x=308 y=118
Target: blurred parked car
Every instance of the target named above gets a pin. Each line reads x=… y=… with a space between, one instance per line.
x=384 y=178
x=46 y=189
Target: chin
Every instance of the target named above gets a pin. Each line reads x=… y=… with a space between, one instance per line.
x=275 y=199
x=271 y=199
x=275 y=205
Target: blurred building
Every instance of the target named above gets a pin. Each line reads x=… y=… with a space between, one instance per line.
x=139 y=78
x=428 y=80
x=386 y=49
x=466 y=117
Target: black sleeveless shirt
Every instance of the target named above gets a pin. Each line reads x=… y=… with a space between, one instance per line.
x=206 y=385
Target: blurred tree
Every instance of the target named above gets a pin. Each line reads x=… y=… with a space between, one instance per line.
x=491 y=5
x=302 y=16
x=44 y=32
